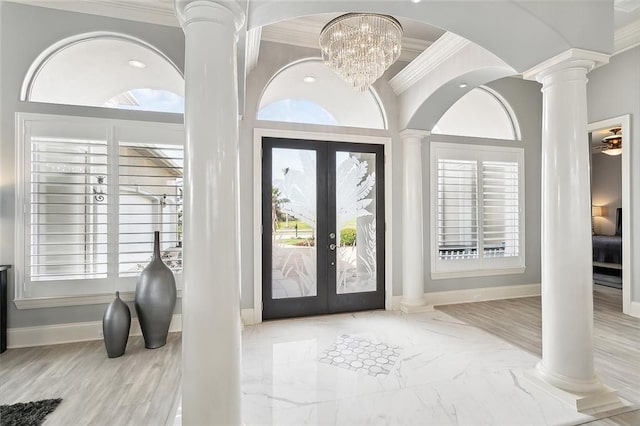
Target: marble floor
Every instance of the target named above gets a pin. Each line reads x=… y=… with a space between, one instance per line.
x=436 y=370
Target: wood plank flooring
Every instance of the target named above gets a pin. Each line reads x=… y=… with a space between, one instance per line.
x=139 y=388
x=616 y=338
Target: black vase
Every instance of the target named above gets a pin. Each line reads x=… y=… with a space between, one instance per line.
x=116 y=323
x=155 y=299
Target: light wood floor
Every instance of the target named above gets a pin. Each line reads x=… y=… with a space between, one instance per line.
x=139 y=388
x=616 y=338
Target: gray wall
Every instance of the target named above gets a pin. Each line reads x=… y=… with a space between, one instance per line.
x=25 y=31
x=524 y=97
x=20 y=45
x=273 y=57
x=614 y=90
x=606 y=190
x=526 y=100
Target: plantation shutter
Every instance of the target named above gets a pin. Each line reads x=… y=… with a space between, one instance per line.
x=500 y=209
x=67 y=216
x=150 y=199
x=457 y=209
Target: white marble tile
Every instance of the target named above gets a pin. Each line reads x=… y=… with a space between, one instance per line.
x=448 y=373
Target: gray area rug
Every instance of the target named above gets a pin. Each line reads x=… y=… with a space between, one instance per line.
x=27 y=413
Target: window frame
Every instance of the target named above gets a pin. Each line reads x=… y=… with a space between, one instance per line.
x=51 y=293
x=484 y=266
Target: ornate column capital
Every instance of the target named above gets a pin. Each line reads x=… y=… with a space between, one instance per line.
x=414 y=134
x=217 y=11
x=569 y=59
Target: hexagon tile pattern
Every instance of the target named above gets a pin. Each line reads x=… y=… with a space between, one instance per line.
x=361 y=355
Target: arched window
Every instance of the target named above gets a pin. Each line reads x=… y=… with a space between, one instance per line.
x=309 y=92
x=480 y=113
x=105 y=70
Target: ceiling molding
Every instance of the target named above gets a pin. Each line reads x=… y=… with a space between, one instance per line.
x=154 y=12
x=412 y=48
x=441 y=50
x=288 y=34
x=253 y=48
x=626 y=37
x=627 y=6
x=305 y=32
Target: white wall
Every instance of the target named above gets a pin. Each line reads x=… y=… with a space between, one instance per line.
x=606 y=190
x=614 y=90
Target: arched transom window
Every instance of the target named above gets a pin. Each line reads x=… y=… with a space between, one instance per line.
x=309 y=92
x=480 y=113
x=106 y=71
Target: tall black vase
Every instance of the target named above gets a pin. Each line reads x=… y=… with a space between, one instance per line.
x=155 y=299
x=116 y=323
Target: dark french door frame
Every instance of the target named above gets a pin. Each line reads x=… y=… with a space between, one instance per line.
x=326 y=300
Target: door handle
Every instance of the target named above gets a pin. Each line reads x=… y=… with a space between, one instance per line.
x=332 y=246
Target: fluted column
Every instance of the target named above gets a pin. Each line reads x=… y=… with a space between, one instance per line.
x=567 y=283
x=211 y=353
x=412 y=219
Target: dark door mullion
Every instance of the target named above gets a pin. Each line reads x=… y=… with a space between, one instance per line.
x=332 y=219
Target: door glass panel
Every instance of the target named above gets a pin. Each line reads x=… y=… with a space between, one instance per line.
x=355 y=222
x=293 y=214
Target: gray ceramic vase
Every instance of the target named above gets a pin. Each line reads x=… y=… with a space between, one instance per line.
x=155 y=299
x=116 y=323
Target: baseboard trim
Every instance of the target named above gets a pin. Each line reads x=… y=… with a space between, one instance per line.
x=248 y=316
x=475 y=295
x=634 y=309
x=24 y=337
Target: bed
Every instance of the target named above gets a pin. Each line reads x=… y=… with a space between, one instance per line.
x=608 y=248
x=607 y=256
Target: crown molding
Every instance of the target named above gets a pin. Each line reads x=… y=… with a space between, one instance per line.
x=407 y=134
x=158 y=12
x=253 y=48
x=626 y=37
x=442 y=49
x=287 y=34
x=305 y=32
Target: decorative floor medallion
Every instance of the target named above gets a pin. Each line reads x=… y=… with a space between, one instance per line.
x=361 y=355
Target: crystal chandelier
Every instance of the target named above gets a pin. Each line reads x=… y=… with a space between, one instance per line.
x=360 y=47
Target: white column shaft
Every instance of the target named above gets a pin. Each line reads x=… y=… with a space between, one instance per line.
x=412 y=218
x=567 y=298
x=211 y=353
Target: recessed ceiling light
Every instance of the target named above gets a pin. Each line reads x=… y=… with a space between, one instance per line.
x=463 y=85
x=309 y=79
x=137 y=64
x=416 y=1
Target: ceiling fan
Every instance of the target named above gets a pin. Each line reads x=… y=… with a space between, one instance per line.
x=612 y=143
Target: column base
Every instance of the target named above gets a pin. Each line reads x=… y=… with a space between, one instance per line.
x=414 y=306
x=594 y=402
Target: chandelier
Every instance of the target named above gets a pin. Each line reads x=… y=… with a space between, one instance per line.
x=360 y=47
x=613 y=143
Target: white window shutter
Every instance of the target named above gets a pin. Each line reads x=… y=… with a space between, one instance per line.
x=457 y=209
x=68 y=220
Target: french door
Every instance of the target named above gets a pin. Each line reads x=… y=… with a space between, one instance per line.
x=322 y=227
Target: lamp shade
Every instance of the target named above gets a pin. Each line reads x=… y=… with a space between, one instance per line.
x=596 y=211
